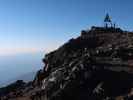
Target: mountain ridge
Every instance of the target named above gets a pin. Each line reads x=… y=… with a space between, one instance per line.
x=97 y=65
x=27 y=77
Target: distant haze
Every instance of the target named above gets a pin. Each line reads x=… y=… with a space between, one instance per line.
x=18 y=65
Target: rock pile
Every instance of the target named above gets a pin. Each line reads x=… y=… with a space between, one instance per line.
x=95 y=66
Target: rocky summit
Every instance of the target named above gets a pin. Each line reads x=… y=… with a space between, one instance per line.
x=97 y=65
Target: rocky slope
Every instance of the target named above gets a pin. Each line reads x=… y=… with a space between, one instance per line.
x=97 y=65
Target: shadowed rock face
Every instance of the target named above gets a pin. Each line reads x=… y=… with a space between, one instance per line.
x=95 y=66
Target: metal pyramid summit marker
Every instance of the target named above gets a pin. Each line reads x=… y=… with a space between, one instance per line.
x=107 y=18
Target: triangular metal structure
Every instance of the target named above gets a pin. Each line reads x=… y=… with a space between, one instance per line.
x=107 y=21
x=107 y=18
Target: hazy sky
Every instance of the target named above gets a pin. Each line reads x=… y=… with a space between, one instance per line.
x=42 y=25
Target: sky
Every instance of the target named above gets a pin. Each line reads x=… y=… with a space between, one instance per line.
x=43 y=25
